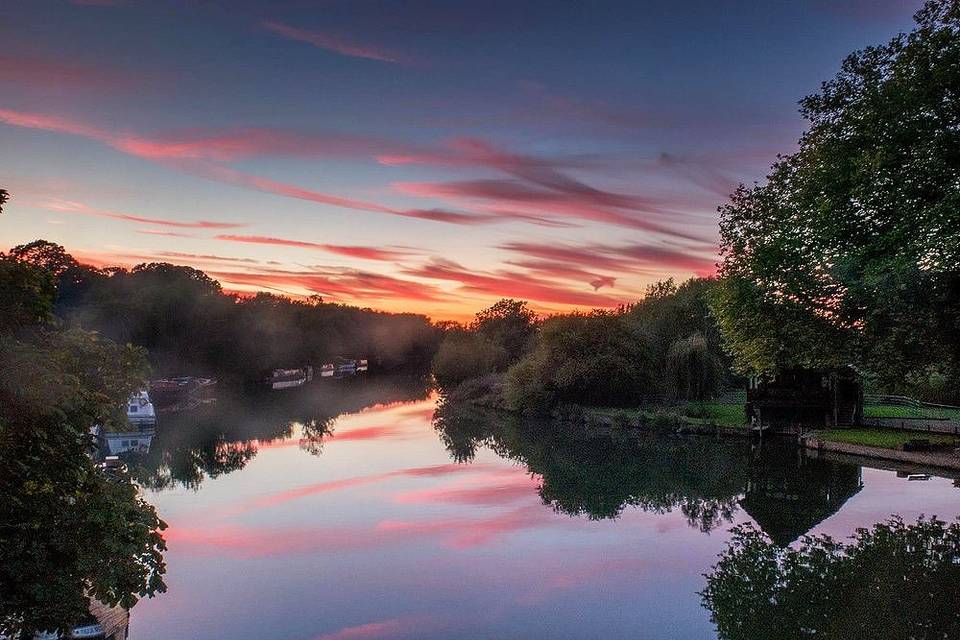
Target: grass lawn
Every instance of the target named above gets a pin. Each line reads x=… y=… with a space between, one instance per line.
x=713 y=413
x=884 y=438
x=900 y=411
x=727 y=415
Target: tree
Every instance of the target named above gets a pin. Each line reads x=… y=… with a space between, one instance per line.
x=68 y=532
x=26 y=295
x=4 y=197
x=894 y=581
x=848 y=252
x=508 y=324
x=685 y=343
x=591 y=359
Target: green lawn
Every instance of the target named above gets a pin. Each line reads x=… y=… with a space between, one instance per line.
x=727 y=415
x=900 y=411
x=883 y=438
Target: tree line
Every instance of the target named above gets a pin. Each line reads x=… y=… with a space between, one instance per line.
x=667 y=346
x=189 y=325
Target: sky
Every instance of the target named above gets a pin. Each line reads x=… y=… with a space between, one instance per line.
x=416 y=156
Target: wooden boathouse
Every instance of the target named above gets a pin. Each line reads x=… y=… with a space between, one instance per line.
x=794 y=400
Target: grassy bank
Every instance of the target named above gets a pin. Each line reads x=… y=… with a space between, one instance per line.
x=884 y=438
x=902 y=411
x=698 y=413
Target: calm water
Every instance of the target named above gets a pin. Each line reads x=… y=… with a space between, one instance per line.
x=403 y=524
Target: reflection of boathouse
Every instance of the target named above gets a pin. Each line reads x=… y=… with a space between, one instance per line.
x=788 y=494
x=797 y=398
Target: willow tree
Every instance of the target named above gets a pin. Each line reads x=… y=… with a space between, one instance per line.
x=849 y=252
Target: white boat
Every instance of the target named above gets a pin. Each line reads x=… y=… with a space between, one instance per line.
x=361 y=365
x=117 y=442
x=138 y=437
x=288 y=378
x=140 y=410
x=327 y=370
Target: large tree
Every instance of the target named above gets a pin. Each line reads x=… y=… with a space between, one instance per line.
x=849 y=252
x=68 y=532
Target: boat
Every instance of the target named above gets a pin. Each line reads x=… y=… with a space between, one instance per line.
x=112 y=465
x=140 y=410
x=290 y=378
x=142 y=420
x=182 y=393
x=361 y=365
x=101 y=623
x=326 y=371
x=345 y=368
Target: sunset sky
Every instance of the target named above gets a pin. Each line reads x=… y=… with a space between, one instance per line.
x=415 y=156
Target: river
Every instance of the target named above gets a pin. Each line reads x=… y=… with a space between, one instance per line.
x=353 y=512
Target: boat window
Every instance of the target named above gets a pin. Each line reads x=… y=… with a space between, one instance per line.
x=124 y=443
x=133 y=408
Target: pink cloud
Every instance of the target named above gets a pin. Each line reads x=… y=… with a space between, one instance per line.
x=67 y=206
x=391 y=628
x=336 y=43
x=235 y=143
x=370 y=433
x=493 y=491
x=537 y=191
x=366 y=253
x=168 y=234
x=624 y=258
x=512 y=284
x=339 y=283
x=31 y=72
x=337 y=485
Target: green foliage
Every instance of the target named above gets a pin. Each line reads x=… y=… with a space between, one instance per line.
x=894 y=581
x=68 y=532
x=498 y=336
x=848 y=252
x=508 y=324
x=464 y=355
x=591 y=359
x=677 y=324
x=26 y=295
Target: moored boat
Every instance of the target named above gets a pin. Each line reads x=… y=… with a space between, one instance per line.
x=181 y=393
x=290 y=378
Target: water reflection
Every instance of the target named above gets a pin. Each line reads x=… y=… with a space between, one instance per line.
x=548 y=529
x=222 y=437
x=597 y=473
x=895 y=581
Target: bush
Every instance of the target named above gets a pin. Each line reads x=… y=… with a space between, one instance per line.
x=463 y=355
x=584 y=359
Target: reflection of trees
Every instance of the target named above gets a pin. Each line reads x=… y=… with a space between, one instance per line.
x=788 y=493
x=597 y=475
x=221 y=438
x=896 y=581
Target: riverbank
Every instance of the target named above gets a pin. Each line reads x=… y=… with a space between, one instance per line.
x=886 y=445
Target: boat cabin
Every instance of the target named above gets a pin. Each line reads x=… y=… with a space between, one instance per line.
x=795 y=399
